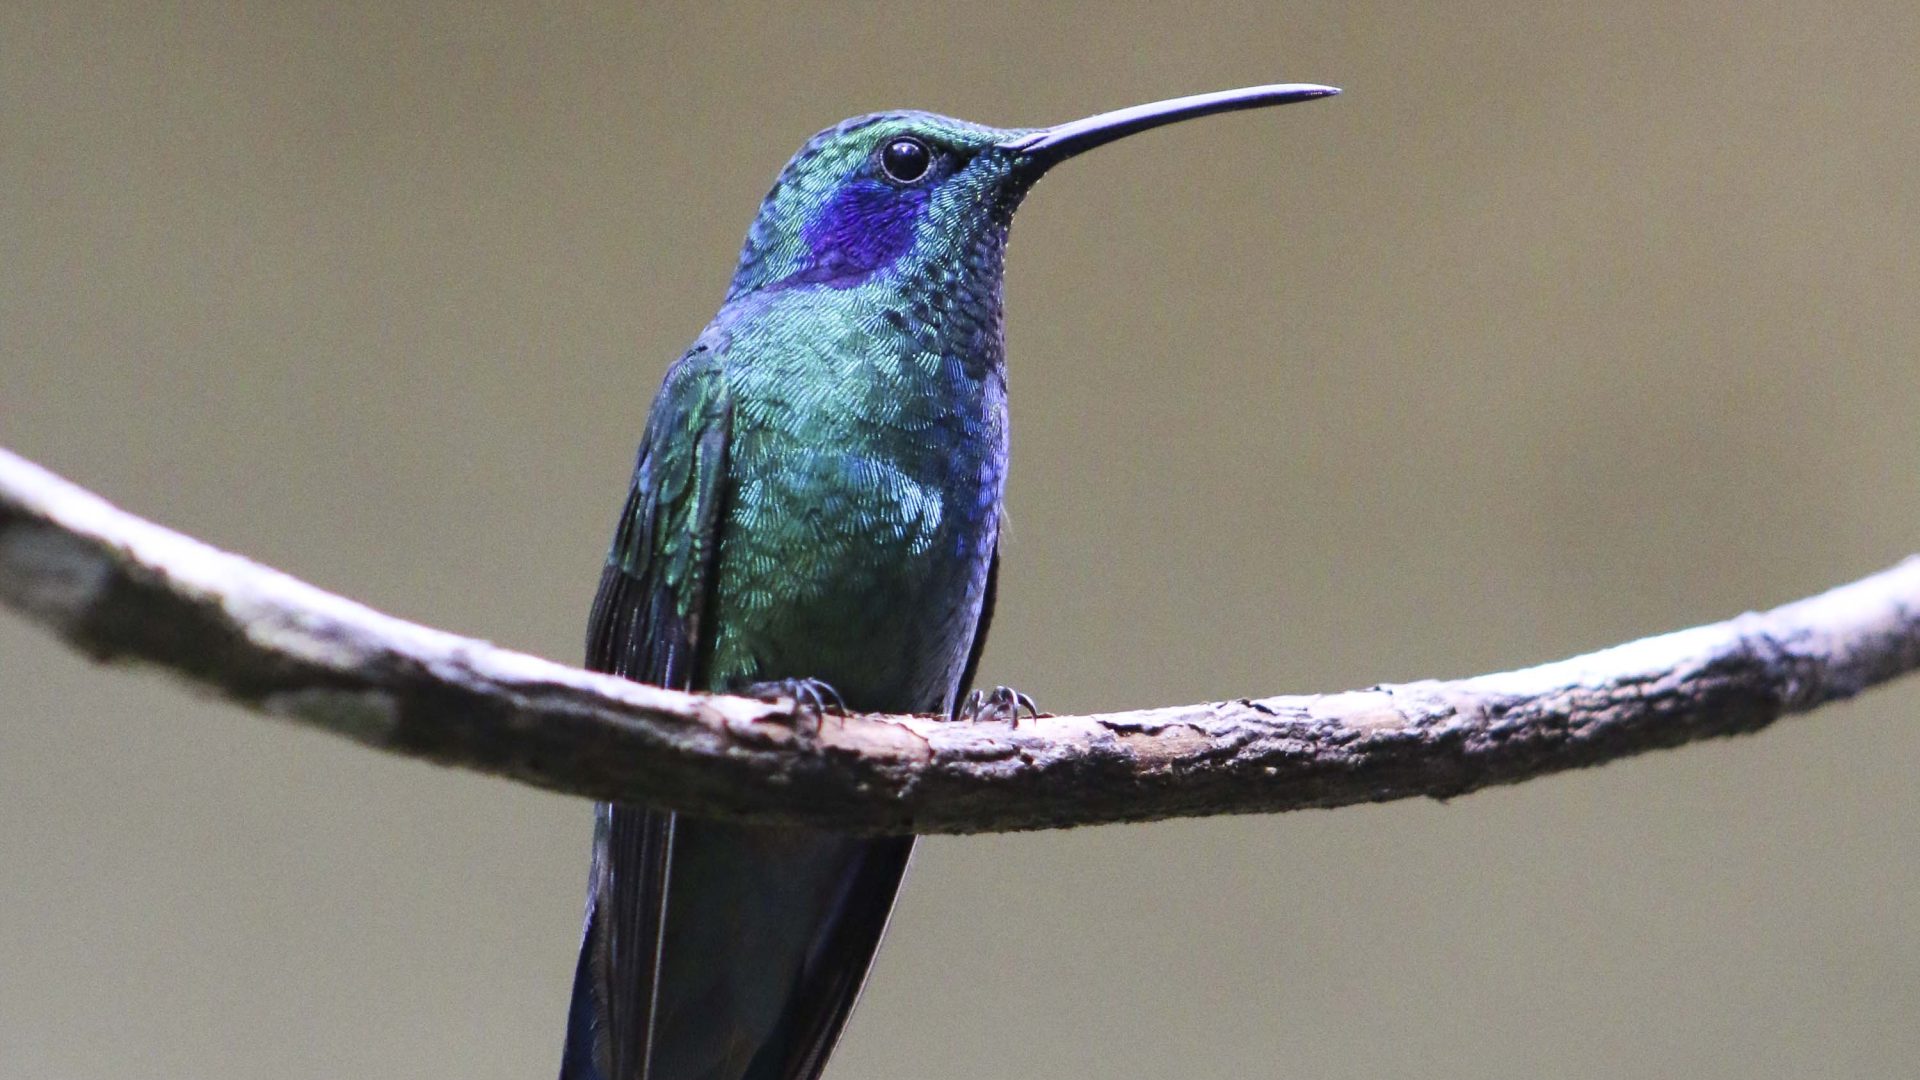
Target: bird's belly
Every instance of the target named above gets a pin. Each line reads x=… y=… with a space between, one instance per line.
x=857 y=573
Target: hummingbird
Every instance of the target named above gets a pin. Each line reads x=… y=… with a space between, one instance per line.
x=815 y=516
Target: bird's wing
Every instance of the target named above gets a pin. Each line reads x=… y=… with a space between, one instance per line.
x=647 y=616
x=647 y=624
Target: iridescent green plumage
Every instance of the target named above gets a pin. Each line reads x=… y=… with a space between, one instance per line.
x=817 y=497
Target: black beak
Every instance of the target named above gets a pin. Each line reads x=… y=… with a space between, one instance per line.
x=1047 y=147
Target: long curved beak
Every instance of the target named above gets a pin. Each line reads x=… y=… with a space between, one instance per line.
x=1047 y=147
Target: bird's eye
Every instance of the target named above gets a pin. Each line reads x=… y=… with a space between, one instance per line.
x=905 y=160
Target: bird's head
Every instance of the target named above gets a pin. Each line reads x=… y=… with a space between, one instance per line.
x=915 y=194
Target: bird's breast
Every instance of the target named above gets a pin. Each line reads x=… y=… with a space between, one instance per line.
x=857 y=545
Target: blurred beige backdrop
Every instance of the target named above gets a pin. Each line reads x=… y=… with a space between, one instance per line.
x=1569 y=323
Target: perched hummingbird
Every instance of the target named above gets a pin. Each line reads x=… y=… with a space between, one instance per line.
x=815 y=514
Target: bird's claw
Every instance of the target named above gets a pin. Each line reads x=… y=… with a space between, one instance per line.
x=810 y=697
x=1003 y=703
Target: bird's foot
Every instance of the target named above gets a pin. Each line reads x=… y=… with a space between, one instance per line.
x=811 y=698
x=1002 y=704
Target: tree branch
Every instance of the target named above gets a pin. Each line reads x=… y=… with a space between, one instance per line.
x=120 y=588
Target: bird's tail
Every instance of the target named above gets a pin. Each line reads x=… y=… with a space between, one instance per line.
x=723 y=951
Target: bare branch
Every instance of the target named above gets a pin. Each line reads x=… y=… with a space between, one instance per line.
x=120 y=588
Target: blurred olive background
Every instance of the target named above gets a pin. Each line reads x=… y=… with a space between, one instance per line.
x=1568 y=324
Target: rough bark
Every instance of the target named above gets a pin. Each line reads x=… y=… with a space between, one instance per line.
x=122 y=589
